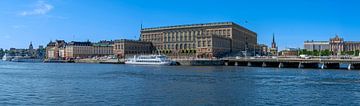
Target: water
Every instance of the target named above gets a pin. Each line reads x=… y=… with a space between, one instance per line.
x=104 y=84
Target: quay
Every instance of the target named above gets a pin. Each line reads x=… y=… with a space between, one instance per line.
x=351 y=64
x=294 y=63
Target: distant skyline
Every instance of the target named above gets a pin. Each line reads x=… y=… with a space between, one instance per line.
x=292 y=21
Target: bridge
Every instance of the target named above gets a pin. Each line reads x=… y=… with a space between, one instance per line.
x=294 y=63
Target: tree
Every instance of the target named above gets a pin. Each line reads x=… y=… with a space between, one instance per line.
x=315 y=53
x=350 y=52
x=325 y=52
x=357 y=52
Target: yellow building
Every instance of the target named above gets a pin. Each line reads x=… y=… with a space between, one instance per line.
x=211 y=45
x=87 y=49
x=173 y=40
x=125 y=48
x=53 y=49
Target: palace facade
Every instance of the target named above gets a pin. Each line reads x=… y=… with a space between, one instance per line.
x=125 y=48
x=201 y=40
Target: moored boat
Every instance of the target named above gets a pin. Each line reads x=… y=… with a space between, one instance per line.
x=6 y=57
x=149 y=60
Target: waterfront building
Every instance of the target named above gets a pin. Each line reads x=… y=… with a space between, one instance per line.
x=62 y=50
x=175 y=40
x=352 y=45
x=274 y=48
x=87 y=49
x=78 y=49
x=18 y=52
x=126 y=48
x=102 y=49
x=290 y=52
x=336 y=45
x=263 y=50
x=29 y=52
x=40 y=52
x=210 y=45
x=53 y=49
x=316 y=45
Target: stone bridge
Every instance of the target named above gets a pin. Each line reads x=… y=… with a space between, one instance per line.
x=294 y=63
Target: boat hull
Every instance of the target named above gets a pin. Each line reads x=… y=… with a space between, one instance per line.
x=148 y=63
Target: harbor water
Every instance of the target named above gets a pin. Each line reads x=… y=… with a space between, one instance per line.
x=118 y=84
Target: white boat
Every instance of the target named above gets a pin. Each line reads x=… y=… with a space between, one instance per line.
x=149 y=60
x=6 y=57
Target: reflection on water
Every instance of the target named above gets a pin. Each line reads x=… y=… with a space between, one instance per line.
x=100 y=84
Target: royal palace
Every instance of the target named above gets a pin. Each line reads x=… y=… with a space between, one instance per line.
x=201 y=40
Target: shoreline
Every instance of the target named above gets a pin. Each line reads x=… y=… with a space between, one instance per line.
x=299 y=64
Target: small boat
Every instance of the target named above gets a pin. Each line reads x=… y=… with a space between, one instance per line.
x=6 y=57
x=149 y=60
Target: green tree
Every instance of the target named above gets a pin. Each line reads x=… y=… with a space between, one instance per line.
x=325 y=52
x=315 y=53
x=357 y=52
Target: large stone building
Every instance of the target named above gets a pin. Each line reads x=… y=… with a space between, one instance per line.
x=125 y=48
x=175 y=40
x=62 y=50
x=336 y=45
x=316 y=45
x=211 y=45
x=53 y=49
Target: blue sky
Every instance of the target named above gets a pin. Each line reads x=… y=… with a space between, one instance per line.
x=292 y=21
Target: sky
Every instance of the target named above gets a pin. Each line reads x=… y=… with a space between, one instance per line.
x=292 y=21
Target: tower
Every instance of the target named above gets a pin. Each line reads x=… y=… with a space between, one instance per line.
x=31 y=51
x=31 y=47
x=274 y=48
x=273 y=44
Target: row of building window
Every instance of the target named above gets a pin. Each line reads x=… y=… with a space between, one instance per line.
x=177 y=46
x=116 y=47
x=182 y=35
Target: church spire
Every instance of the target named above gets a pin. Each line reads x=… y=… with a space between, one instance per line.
x=273 y=41
x=273 y=44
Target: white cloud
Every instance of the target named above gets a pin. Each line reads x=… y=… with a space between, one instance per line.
x=41 y=8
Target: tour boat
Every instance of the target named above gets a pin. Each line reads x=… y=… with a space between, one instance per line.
x=149 y=60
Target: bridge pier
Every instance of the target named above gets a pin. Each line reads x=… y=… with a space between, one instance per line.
x=281 y=65
x=249 y=64
x=350 y=67
x=322 y=66
x=263 y=64
x=301 y=65
x=294 y=63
